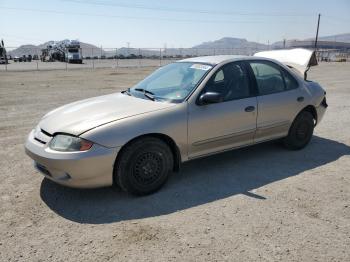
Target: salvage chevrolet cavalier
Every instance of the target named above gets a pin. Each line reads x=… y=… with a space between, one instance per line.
x=185 y=110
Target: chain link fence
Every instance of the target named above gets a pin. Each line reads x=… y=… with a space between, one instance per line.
x=31 y=59
x=22 y=59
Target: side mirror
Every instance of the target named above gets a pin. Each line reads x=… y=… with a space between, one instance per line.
x=210 y=98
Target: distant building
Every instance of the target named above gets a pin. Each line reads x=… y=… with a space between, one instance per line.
x=321 y=45
x=326 y=50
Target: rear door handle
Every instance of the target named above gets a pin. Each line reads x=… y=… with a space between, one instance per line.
x=249 y=109
x=300 y=99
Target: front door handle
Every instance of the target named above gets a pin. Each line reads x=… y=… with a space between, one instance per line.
x=300 y=99
x=249 y=109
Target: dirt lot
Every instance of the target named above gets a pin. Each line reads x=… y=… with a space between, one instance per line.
x=262 y=203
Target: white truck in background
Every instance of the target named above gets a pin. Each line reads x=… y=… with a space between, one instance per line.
x=65 y=51
x=73 y=52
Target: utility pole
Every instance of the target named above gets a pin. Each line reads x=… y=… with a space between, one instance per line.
x=318 y=26
x=128 y=45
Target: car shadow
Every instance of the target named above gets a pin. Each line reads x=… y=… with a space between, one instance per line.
x=200 y=181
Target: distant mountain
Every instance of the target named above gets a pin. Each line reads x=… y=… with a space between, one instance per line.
x=231 y=43
x=246 y=46
x=25 y=50
x=87 y=49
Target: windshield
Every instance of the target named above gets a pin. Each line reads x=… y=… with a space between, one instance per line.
x=73 y=50
x=173 y=82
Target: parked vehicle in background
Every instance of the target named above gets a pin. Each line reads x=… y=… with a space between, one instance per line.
x=29 y=58
x=65 y=51
x=3 y=61
x=16 y=59
x=185 y=110
x=35 y=57
x=73 y=52
x=3 y=55
x=45 y=56
x=131 y=56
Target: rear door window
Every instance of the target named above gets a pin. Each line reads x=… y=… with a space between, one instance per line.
x=270 y=78
x=289 y=80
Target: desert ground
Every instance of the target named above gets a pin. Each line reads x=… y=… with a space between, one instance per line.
x=262 y=203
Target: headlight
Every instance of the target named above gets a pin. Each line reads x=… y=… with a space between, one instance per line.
x=69 y=143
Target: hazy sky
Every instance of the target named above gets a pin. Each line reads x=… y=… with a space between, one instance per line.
x=176 y=23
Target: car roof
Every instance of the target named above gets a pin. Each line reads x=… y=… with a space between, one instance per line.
x=223 y=59
x=217 y=59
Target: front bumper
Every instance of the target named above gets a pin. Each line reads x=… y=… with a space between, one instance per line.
x=87 y=169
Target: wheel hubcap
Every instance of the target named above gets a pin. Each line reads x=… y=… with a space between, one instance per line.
x=148 y=168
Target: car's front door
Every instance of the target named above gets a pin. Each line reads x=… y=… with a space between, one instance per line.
x=279 y=99
x=226 y=124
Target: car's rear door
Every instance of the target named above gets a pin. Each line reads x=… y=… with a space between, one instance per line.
x=227 y=124
x=279 y=99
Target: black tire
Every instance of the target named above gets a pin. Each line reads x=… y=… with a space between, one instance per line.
x=144 y=166
x=300 y=132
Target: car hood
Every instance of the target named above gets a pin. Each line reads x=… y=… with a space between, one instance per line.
x=81 y=116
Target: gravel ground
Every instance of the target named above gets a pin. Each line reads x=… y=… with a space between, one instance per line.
x=261 y=203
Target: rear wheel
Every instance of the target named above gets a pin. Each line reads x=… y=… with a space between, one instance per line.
x=144 y=166
x=300 y=132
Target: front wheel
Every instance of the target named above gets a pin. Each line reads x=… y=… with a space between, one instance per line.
x=144 y=166
x=300 y=132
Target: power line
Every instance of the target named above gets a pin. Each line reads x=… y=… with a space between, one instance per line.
x=202 y=11
x=138 y=17
x=183 y=10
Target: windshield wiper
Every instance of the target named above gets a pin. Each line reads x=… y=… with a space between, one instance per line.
x=146 y=93
x=127 y=92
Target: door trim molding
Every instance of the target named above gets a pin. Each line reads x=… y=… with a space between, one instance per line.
x=274 y=125
x=220 y=138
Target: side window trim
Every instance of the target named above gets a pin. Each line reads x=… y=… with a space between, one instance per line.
x=254 y=91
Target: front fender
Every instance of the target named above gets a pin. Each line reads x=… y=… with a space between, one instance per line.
x=170 y=121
